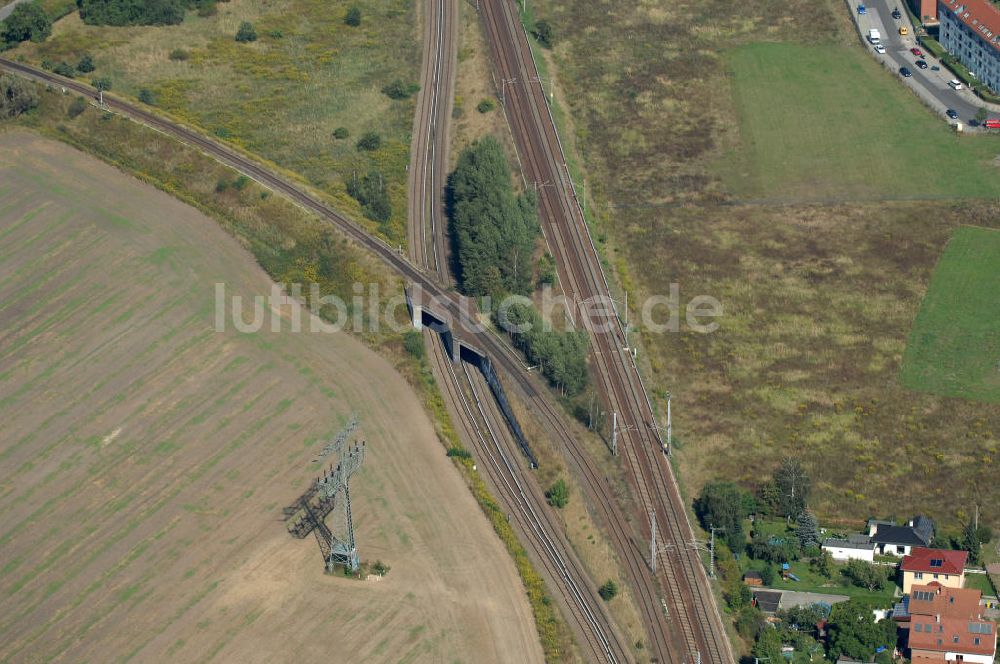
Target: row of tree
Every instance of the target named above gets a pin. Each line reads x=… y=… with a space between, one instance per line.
x=493 y=230
x=561 y=356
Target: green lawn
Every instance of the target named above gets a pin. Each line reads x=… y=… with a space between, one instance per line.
x=954 y=346
x=980 y=582
x=811 y=582
x=824 y=122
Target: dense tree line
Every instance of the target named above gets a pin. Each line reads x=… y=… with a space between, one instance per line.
x=493 y=230
x=724 y=506
x=27 y=21
x=561 y=356
x=138 y=12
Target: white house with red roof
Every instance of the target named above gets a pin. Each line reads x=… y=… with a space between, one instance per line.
x=925 y=565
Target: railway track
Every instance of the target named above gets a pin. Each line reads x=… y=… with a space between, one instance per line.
x=428 y=169
x=480 y=422
x=597 y=487
x=696 y=629
x=524 y=502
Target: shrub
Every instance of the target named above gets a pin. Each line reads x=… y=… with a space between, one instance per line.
x=275 y=34
x=558 y=494
x=221 y=185
x=101 y=83
x=399 y=90
x=17 y=96
x=369 y=142
x=486 y=105
x=543 y=33
x=246 y=32
x=85 y=65
x=179 y=55
x=371 y=193
x=206 y=9
x=146 y=96
x=413 y=342
x=131 y=12
x=76 y=107
x=608 y=590
x=865 y=575
x=749 y=621
x=380 y=568
x=241 y=182
x=459 y=452
x=340 y=133
x=353 y=16
x=547 y=270
x=27 y=21
x=64 y=69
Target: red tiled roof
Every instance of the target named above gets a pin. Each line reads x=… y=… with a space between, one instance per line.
x=954 y=634
x=946 y=561
x=946 y=602
x=951 y=616
x=982 y=16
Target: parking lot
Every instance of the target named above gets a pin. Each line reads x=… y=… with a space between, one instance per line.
x=930 y=84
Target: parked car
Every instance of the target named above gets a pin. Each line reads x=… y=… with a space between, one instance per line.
x=917 y=52
x=861 y=10
x=903 y=30
x=951 y=114
x=992 y=123
x=904 y=72
x=880 y=49
x=935 y=68
x=896 y=14
x=920 y=64
x=955 y=84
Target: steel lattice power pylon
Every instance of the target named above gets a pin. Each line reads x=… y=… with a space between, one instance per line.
x=330 y=495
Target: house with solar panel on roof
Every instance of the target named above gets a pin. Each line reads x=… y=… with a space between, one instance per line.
x=943 y=566
x=945 y=624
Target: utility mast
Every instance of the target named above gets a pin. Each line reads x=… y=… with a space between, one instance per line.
x=330 y=495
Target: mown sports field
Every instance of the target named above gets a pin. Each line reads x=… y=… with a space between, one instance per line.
x=146 y=457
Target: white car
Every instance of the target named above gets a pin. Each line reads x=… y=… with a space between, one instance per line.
x=880 y=49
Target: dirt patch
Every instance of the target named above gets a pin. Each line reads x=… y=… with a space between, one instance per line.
x=146 y=457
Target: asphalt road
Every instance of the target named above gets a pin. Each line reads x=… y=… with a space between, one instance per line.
x=931 y=86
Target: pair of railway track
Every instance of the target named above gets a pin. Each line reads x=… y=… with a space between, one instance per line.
x=695 y=625
x=430 y=145
x=476 y=414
